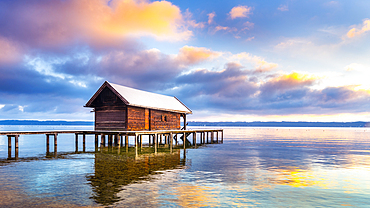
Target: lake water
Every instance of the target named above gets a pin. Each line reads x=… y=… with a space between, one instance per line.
x=256 y=167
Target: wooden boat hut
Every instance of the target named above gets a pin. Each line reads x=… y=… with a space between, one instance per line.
x=123 y=108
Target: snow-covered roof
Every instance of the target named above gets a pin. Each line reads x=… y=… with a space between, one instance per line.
x=140 y=98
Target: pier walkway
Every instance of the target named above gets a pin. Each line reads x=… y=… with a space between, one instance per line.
x=118 y=138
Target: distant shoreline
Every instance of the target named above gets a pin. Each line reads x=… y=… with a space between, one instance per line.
x=357 y=124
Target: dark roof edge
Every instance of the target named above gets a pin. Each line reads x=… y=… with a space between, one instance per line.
x=190 y=112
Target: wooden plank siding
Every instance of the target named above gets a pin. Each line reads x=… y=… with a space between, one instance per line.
x=135 y=118
x=163 y=120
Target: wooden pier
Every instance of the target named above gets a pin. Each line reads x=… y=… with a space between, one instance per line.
x=167 y=138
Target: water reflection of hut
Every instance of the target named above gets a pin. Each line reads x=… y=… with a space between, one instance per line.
x=112 y=172
x=123 y=108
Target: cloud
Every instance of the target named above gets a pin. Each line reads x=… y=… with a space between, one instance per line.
x=227 y=29
x=59 y=23
x=259 y=63
x=355 y=67
x=11 y=52
x=359 y=30
x=237 y=90
x=240 y=12
x=210 y=17
x=189 y=55
x=283 y=8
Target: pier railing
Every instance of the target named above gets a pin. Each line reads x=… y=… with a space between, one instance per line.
x=118 y=138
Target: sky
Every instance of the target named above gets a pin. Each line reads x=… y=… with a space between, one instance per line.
x=254 y=60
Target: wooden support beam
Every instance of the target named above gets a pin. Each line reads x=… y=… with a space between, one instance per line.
x=155 y=143
x=47 y=144
x=222 y=136
x=184 y=136
x=171 y=141
x=55 y=145
x=141 y=140
x=9 y=146
x=126 y=143
x=195 y=139
x=102 y=140
x=136 y=143
x=118 y=140
x=83 y=142
x=217 y=136
x=76 y=142
x=212 y=136
x=16 y=146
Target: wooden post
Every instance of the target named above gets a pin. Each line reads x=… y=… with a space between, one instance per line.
x=110 y=140
x=55 y=145
x=118 y=140
x=76 y=142
x=102 y=140
x=126 y=143
x=9 y=146
x=83 y=142
x=16 y=146
x=47 y=145
x=118 y=137
x=141 y=141
x=155 y=143
x=171 y=141
x=96 y=142
x=195 y=139
x=136 y=143
x=184 y=136
x=217 y=136
x=222 y=136
x=212 y=135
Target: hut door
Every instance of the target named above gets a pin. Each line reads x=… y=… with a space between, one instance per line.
x=146 y=119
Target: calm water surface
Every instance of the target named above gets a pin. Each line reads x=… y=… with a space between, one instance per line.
x=257 y=167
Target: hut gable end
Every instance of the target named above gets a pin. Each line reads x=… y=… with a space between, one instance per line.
x=107 y=98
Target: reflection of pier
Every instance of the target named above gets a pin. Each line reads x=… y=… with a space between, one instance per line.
x=164 y=138
x=112 y=172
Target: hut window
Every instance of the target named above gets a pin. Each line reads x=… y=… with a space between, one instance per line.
x=164 y=118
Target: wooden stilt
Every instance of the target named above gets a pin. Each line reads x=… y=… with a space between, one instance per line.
x=9 y=147
x=195 y=139
x=171 y=141
x=102 y=140
x=212 y=136
x=126 y=142
x=141 y=140
x=55 y=145
x=76 y=143
x=16 y=146
x=222 y=136
x=96 y=142
x=47 y=144
x=155 y=143
x=83 y=142
x=136 y=143
x=184 y=136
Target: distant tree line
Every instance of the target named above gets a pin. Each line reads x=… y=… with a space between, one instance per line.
x=282 y=124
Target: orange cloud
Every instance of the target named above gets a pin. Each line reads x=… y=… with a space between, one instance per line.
x=10 y=51
x=55 y=23
x=292 y=80
x=193 y=55
x=359 y=30
x=240 y=11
